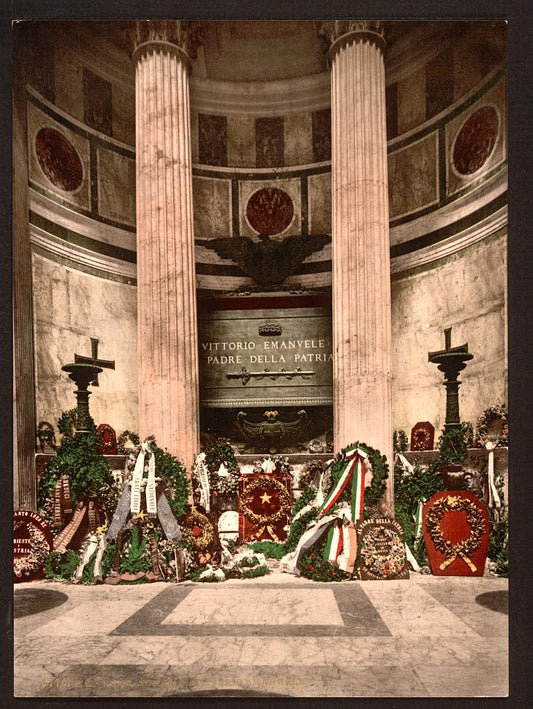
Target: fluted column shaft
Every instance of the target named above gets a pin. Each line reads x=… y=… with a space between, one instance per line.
x=167 y=348
x=361 y=257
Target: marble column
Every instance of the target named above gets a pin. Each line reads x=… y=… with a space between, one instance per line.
x=361 y=249
x=166 y=281
x=24 y=416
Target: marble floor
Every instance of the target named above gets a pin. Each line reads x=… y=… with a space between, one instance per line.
x=275 y=636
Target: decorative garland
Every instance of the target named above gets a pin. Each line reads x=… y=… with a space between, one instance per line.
x=206 y=537
x=467 y=547
x=124 y=436
x=35 y=560
x=275 y=486
x=383 y=564
x=487 y=417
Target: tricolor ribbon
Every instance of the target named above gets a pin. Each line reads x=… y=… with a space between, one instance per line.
x=346 y=560
x=354 y=469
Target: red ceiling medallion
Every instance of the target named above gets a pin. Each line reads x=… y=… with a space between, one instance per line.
x=475 y=141
x=269 y=210
x=58 y=159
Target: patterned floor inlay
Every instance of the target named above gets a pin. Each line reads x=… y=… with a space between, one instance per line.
x=266 y=610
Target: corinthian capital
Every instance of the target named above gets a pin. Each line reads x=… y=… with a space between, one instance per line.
x=180 y=36
x=338 y=33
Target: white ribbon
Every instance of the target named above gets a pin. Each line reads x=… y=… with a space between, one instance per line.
x=151 y=500
x=136 y=482
x=406 y=465
x=494 y=498
x=202 y=473
x=411 y=559
x=90 y=548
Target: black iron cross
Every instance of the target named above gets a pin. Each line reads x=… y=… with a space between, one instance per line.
x=93 y=359
x=447 y=346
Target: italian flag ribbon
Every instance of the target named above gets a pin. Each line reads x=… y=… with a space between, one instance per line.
x=354 y=470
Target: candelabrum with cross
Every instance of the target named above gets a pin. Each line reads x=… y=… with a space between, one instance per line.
x=451 y=361
x=84 y=372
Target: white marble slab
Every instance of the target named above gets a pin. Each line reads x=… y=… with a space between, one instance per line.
x=406 y=609
x=227 y=606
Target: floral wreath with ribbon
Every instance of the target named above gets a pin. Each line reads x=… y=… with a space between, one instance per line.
x=467 y=547
x=27 y=565
x=389 y=564
x=271 y=484
x=491 y=414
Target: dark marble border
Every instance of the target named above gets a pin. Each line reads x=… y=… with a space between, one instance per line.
x=360 y=617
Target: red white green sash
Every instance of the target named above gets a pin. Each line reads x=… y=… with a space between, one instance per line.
x=354 y=470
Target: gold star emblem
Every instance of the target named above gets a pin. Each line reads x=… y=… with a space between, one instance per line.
x=265 y=498
x=141 y=516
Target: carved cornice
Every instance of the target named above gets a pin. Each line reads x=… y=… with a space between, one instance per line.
x=339 y=33
x=180 y=37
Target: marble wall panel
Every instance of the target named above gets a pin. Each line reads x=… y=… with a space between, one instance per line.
x=269 y=142
x=68 y=83
x=116 y=186
x=321 y=135
x=194 y=137
x=465 y=292
x=211 y=207
x=212 y=140
x=298 y=139
x=411 y=101
x=413 y=177
x=97 y=102
x=42 y=71
x=319 y=190
x=70 y=307
x=439 y=83
x=123 y=101
x=241 y=141
x=391 y=98
x=63 y=165
x=290 y=186
x=467 y=66
x=482 y=141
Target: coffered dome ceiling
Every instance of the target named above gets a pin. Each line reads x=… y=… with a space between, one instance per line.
x=276 y=50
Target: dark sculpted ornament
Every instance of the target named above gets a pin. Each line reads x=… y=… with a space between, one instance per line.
x=269 y=263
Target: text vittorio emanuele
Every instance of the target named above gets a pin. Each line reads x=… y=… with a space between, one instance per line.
x=273 y=351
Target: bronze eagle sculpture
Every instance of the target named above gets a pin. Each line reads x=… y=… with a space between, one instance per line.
x=269 y=263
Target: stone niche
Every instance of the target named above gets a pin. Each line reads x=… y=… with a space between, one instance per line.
x=266 y=371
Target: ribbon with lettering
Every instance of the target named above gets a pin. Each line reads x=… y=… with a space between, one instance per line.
x=200 y=469
x=136 y=482
x=151 y=502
